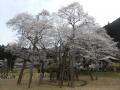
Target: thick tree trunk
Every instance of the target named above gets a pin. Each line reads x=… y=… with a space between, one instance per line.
x=60 y=80
x=41 y=73
x=68 y=77
x=96 y=77
x=58 y=74
x=95 y=73
x=21 y=72
x=41 y=78
x=31 y=74
x=89 y=72
x=71 y=73
x=61 y=76
x=76 y=75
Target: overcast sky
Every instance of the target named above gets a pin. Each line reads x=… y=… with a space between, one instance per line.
x=103 y=11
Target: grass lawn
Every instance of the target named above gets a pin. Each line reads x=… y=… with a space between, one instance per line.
x=106 y=81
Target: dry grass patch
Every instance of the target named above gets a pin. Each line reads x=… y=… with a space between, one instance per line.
x=103 y=83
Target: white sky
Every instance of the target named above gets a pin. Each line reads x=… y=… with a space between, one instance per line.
x=102 y=10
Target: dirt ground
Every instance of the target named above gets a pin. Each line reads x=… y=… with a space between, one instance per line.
x=103 y=83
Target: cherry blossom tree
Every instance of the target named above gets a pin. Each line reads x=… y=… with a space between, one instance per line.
x=32 y=30
x=66 y=32
x=85 y=34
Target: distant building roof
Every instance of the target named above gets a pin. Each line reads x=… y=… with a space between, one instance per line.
x=110 y=59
